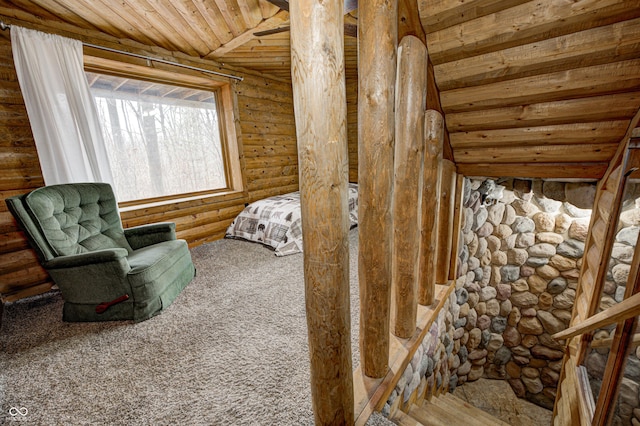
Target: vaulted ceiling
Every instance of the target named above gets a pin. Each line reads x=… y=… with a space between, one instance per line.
x=528 y=88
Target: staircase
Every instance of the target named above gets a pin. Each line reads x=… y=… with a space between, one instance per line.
x=445 y=410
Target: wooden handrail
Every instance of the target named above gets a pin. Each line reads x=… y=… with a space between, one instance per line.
x=628 y=308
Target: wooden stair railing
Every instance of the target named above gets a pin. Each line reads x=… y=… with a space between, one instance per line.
x=572 y=403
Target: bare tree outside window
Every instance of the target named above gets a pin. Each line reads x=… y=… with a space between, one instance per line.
x=162 y=140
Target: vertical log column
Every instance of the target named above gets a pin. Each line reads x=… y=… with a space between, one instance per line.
x=445 y=220
x=377 y=40
x=319 y=96
x=411 y=92
x=434 y=135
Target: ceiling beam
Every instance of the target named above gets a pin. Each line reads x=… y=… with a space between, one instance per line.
x=582 y=171
x=276 y=20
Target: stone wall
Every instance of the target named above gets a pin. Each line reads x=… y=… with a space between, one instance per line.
x=519 y=263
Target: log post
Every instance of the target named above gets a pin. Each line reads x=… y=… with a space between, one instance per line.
x=434 y=136
x=377 y=40
x=411 y=92
x=445 y=220
x=319 y=97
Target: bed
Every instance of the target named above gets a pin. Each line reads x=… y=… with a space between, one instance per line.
x=276 y=222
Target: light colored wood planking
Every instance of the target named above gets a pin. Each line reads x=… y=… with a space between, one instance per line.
x=590 y=171
x=212 y=15
x=192 y=33
x=232 y=15
x=561 y=134
x=525 y=23
x=191 y=14
x=580 y=82
x=60 y=10
x=537 y=154
x=251 y=12
x=595 y=46
x=439 y=14
x=268 y=9
x=583 y=110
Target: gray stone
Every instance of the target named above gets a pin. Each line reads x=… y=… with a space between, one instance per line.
x=502 y=356
x=477 y=274
x=632 y=368
x=596 y=363
x=571 y=248
x=536 y=262
x=619 y=294
x=485 y=337
x=464 y=368
x=487 y=293
x=467 y=220
x=509 y=273
x=575 y=211
x=628 y=392
x=495 y=342
x=480 y=218
x=525 y=240
x=630 y=218
x=557 y=285
x=498 y=324
x=462 y=296
x=620 y=273
x=548 y=205
x=496 y=213
x=580 y=194
x=622 y=252
x=542 y=250
x=523 y=224
x=474 y=263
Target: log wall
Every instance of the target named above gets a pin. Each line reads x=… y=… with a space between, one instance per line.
x=269 y=151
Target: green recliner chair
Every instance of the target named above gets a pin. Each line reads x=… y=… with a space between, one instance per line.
x=104 y=272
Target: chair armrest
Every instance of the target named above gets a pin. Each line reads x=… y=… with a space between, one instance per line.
x=89 y=258
x=146 y=235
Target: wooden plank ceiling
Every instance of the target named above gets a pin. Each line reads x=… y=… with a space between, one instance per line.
x=542 y=88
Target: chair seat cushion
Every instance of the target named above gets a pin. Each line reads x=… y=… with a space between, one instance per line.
x=153 y=267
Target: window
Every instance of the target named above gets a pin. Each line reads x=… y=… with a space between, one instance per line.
x=167 y=135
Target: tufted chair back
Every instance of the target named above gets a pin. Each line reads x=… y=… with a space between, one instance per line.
x=76 y=218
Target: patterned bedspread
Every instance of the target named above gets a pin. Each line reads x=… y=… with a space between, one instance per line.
x=276 y=221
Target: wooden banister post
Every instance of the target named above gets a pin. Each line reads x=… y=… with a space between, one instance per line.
x=377 y=43
x=445 y=220
x=319 y=96
x=411 y=92
x=434 y=136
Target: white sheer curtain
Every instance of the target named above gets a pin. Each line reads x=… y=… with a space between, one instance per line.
x=61 y=110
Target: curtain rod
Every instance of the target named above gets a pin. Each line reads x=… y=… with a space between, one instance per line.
x=4 y=27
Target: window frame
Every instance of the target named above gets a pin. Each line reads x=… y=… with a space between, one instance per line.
x=227 y=110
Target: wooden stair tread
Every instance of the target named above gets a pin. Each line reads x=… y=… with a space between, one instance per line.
x=475 y=415
x=445 y=410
